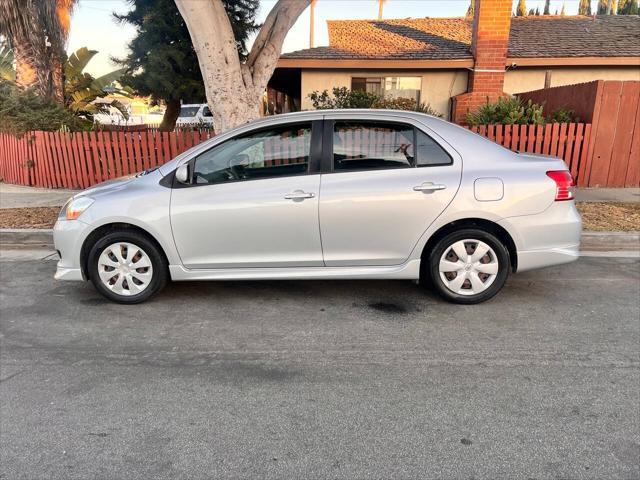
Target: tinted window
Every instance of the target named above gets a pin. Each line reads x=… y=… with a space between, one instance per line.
x=269 y=153
x=206 y=112
x=372 y=145
x=188 y=111
x=429 y=152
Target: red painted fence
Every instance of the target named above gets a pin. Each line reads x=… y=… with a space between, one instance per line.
x=81 y=159
x=569 y=141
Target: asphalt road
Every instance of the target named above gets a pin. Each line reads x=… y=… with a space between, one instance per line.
x=336 y=379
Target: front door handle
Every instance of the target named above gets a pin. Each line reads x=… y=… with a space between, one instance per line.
x=298 y=195
x=429 y=187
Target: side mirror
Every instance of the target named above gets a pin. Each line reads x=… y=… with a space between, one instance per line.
x=182 y=173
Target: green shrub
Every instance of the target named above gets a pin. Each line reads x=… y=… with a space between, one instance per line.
x=342 y=97
x=507 y=111
x=562 y=115
x=410 y=104
x=22 y=111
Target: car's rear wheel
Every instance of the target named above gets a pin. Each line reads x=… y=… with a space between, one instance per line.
x=468 y=266
x=127 y=267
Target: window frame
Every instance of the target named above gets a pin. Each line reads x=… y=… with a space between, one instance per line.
x=313 y=166
x=328 y=157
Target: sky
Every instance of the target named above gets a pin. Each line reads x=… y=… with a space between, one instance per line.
x=94 y=27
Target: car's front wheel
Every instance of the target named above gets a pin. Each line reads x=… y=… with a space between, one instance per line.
x=468 y=266
x=126 y=267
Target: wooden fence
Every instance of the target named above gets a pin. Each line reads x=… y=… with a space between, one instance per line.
x=613 y=108
x=81 y=159
x=569 y=141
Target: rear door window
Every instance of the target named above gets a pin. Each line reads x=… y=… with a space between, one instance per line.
x=362 y=145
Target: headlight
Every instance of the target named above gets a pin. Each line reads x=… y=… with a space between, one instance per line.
x=74 y=208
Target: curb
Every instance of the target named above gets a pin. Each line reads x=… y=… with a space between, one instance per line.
x=590 y=241
x=26 y=238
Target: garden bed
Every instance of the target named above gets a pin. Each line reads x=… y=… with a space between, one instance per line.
x=597 y=217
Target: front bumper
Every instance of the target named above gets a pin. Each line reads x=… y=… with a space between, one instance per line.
x=549 y=238
x=68 y=237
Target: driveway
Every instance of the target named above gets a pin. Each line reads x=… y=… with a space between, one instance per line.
x=336 y=379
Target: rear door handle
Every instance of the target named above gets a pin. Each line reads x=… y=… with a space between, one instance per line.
x=298 y=195
x=429 y=187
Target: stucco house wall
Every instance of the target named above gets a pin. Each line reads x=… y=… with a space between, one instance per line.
x=438 y=86
x=527 y=79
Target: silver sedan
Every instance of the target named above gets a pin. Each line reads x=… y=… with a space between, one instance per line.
x=351 y=194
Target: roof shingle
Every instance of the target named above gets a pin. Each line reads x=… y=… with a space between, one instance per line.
x=450 y=38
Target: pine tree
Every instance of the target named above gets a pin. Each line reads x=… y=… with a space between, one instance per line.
x=562 y=11
x=521 y=10
x=585 y=7
x=547 y=7
x=537 y=12
x=161 y=61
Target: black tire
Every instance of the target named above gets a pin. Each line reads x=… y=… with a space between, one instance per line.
x=159 y=274
x=432 y=269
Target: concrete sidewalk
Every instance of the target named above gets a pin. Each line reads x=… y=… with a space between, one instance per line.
x=608 y=194
x=15 y=196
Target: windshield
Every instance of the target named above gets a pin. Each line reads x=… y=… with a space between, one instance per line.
x=189 y=111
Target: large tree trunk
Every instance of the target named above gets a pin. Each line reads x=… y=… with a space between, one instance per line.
x=171 y=113
x=234 y=90
x=26 y=71
x=57 y=79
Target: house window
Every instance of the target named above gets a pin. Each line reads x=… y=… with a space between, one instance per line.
x=369 y=85
x=389 y=87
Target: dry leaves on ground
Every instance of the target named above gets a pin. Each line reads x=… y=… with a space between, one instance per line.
x=608 y=217
x=36 y=217
x=595 y=216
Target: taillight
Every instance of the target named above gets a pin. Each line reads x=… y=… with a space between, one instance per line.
x=564 y=184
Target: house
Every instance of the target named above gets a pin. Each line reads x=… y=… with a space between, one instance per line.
x=455 y=64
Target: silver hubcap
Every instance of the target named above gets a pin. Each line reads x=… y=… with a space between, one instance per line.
x=468 y=267
x=125 y=268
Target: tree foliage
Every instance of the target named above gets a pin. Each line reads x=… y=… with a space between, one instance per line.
x=84 y=94
x=547 y=7
x=161 y=60
x=7 y=72
x=22 y=111
x=521 y=9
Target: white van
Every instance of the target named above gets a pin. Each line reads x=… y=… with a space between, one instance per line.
x=194 y=114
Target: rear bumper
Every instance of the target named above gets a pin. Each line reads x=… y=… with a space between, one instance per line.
x=529 y=260
x=549 y=238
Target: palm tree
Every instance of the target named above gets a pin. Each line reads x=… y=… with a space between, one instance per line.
x=37 y=31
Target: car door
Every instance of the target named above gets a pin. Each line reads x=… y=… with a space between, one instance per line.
x=252 y=201
x=388 y=181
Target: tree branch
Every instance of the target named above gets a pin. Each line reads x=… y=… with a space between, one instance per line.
x=268 y=44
